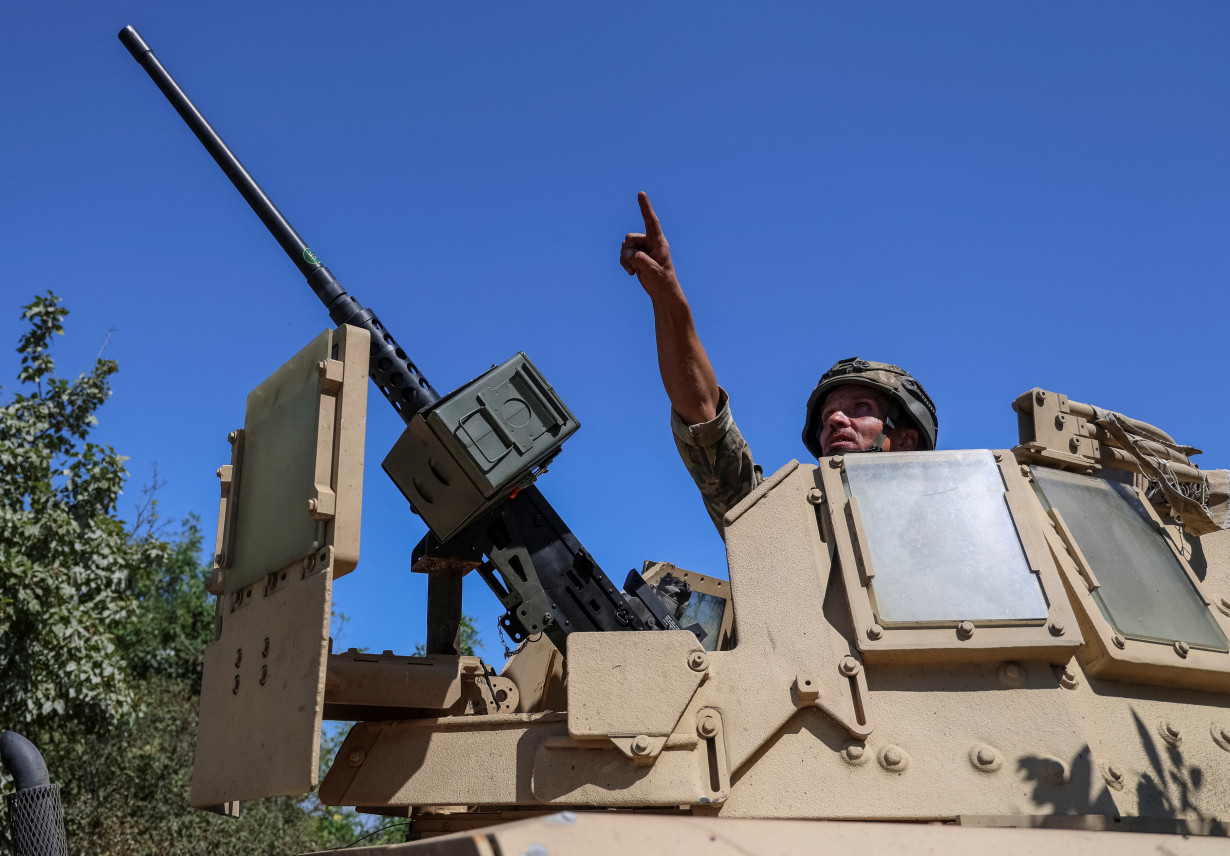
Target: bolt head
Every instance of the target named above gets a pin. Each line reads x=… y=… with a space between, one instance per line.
x=640 y=746
x=1060 y=419
x=1068 y=679
x=893 y=757
x=1169 y=728
x=356 y=757
x=1056 y=628
x=1040 y=397
x=707 y=727
x=986 y=756
x=1074 y=443
x=1114 y=772
x=1013 y=671
x=815 y=496
x=232 y=437
x=854 y=751
x=698 y=661
x=836 y=462
x=849 y=667
x=875 y=632
x=1182 y=648
x=1119 y=641
x=965 y=629
x=312 y=504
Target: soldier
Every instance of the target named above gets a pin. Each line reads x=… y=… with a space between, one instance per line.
x=857 y=406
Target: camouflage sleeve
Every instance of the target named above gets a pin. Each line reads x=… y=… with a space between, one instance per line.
x=719 y=460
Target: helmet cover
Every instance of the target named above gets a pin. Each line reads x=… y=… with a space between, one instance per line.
x=914 y=407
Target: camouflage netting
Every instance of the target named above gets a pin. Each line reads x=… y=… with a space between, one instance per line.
x=1202 y=505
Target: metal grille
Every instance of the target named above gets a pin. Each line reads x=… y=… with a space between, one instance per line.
x=36 y=822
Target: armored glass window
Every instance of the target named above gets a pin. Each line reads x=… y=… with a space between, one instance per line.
x=703 y=616
x=941 y=540
x=1142 y=589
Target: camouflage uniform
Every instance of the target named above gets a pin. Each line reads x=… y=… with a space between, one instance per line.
x=719 y=460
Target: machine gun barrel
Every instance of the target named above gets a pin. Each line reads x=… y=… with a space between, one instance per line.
x=391 y=370
x=536 y=566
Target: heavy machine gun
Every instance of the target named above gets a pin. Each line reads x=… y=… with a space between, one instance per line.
x=466 y=462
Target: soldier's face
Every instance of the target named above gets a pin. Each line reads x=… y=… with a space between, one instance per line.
x=853 y=418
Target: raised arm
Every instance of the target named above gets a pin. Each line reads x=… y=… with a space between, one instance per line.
x=686 y=373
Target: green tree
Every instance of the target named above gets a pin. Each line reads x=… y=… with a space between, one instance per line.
x=102 y=628
x=65 y=559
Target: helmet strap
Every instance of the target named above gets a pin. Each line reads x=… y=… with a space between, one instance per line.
x=889 y=424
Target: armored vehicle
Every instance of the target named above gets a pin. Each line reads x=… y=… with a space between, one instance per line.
x=1021 y=648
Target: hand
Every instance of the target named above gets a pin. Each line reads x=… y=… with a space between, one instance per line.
x=648 y=255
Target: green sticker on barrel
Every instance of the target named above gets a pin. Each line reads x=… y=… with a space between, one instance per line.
x=310 y=257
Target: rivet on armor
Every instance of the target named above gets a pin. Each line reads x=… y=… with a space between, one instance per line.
x=707 y=727
x=1181 y=648
x=356 y=757
x=815 y=496
x=1221 y=735
x=849 y=666
x=1056 y=628
x=836 y=462
x=697 y=661
x=1119 y=641
x=1112 y=775
x=985 y=758
x=1025 y=470
x=1169 y=733
x=855 y=754
x=894 y=758
x=1068 y=679
x=1060 y=419
x=1074 y=443
x=965 y=629
x=1012 y=674
x=1056 y=771
x=1040 y=397
x=875 y=632
x=640 y=746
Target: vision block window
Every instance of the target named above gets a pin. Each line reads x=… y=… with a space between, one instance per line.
x=942 y=544
x=1143 y=590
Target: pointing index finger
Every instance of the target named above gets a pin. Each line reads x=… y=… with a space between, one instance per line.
x=653 y=229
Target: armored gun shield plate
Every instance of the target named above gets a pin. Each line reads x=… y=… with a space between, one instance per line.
x=288 y=525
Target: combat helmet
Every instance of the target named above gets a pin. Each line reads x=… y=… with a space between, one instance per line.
x=907 y=399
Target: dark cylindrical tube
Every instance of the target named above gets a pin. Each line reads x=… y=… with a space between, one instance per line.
x=397 y=377
x=36 y=817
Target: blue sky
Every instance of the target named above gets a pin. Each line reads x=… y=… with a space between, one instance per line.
x=996 y=196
